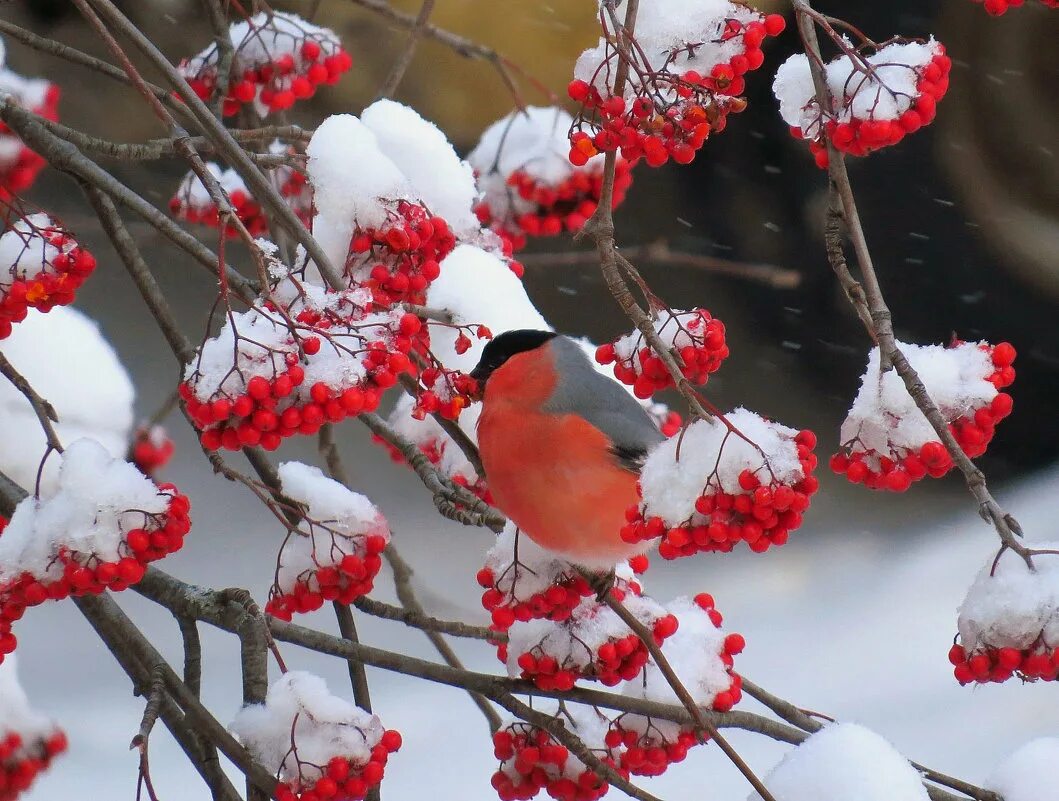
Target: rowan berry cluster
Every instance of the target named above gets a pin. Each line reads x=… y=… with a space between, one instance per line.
x=92 y=543
x=754 y=482
x=999 y=7
x=41 y=266
x=532 y=760
x=19 y=165
x=400 y=259
x=671 y=106
x=151 y=449
x=1039 y=662
x=888 y=444
x=448 y=392
x=278 y=59
x=696 y=335
x=28 y=740
x=286 y=382
x=877 y=99
x=345 y=779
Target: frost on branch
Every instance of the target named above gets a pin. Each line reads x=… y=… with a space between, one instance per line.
x=279 y=59
x=99 y=528
x=338 y=558
x=1029 y=773
x=697 y=336
x=686 y=72
x=701 y=654
x=878 y=96
x=319 y=745
x=41 y=266
x=262 y=379
x=736 y=478
x=1009 y=621
x=887 y=442
x=89 y=388
x=18 y=164
x=523 y=581
x=532 y=760
x=844 y=761
x=529 y=186
x=192 y=201
x=592 y=643
x=28 y=740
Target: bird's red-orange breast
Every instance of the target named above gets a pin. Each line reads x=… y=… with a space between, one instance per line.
x=554 y=475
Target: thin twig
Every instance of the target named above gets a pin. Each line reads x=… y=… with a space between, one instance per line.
x=44 y=411
x=404 y=60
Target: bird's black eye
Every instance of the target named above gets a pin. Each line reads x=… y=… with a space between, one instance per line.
x=503 y=346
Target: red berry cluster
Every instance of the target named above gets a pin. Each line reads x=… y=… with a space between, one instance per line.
x=859 y=137
x=557 y=602
x=19 y=165
x=895 y=471
x=343 y=571
x=449 y=393
x=267 y=411
x=549 y=208
x=151 y=449
x=999 y=7
x=48 y=269
x=697 y=336
x=987 y=664
x=532 y=760
x=672 y=113
x=21 y=762
x=616 y=660
x=400 y=259
x=762 y=514
x=342 y=779
x=279 y=60
x=88 y=574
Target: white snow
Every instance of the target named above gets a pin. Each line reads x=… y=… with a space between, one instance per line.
x=24 y=250
x=264 y=38
x=1029 y=774
x=884 y=416
x=841 y=762
x=89 y=388
x=16 y=714
x=678 y=470
x=300 y=709
x=1013 y=607
x=885 y=95
x=96 y=500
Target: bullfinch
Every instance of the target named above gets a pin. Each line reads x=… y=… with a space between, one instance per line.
x=561 y=444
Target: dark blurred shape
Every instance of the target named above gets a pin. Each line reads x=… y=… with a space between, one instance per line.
x=49 y=11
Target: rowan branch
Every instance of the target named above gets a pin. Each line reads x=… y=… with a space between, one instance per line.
x=44 y=411
x=404 y=60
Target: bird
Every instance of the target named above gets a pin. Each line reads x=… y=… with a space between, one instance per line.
x=561 y=444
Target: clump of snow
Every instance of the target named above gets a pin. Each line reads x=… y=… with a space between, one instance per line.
x=300 y=712
x=28 y=740
x=89 y=388
x=476 y=287
x=884 y=416
x=16 y=714
x=96 y=500
x=844 y=761
x=533 y=140
x=710 y=456
x=432 y=440
x=1011 y=606
x=887 y=92
x=696 y=652
x=418 y=148
x=265 y=37
x=1029 y=774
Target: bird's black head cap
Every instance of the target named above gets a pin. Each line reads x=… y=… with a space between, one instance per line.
x=503 y=346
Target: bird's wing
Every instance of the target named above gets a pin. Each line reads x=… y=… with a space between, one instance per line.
x=583 y=391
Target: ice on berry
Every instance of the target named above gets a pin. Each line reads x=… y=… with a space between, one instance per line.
x=89 y=388
x=1009 y=620
x=1028 y=774
x=844 y=761
x=876 y=99
x=310 y=738
x=29 y=740
x=334 y=555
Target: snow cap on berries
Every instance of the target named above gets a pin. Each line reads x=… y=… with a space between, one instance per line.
x=677 y=471
x=299 y=706
x=843 y=761
x=1028 y=774
x=89 y=388
x=96 y=499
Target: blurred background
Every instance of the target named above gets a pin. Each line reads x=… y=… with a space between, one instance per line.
x=854 y=616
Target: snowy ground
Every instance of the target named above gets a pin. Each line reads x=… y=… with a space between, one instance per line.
x=851 y=620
